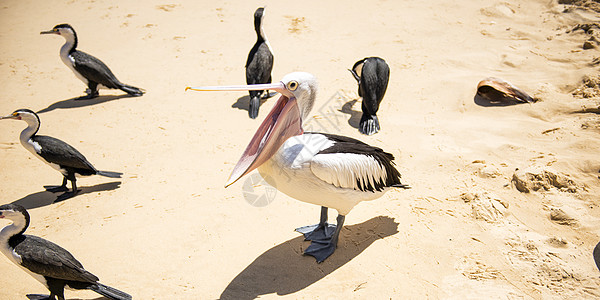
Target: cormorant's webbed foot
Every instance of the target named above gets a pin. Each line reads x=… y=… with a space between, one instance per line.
x=39 y=297
x=66 y=195
x=254 y=106
x=56 y=188
x=369 y=124
x=89 y=95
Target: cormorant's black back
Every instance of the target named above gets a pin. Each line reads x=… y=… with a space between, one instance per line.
x=94 y=70
x=58 y=152
x=373 y=84
x=48 y=259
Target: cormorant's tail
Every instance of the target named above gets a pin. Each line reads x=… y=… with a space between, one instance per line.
x=109 y=292
x=369 y=124
x=131 y=90
x=254 y=106
x=109 y=174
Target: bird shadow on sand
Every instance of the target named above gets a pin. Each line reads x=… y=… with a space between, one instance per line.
x=243 y=103
x=45 y=198
x=355 y=115
x=75 y=102
x=487 y=103
x=284 y=270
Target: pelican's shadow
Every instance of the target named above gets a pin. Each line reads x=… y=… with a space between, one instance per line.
x=284 y=270
x=243 y=103
x=75 y=102
x=45 y=198
x=355 y=115
x=488 y=103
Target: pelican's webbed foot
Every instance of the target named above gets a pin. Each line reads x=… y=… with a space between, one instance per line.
x=321 y=249
x=319 y=231
x=323 y=239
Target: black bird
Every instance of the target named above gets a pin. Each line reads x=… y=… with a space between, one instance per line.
x=259 y=64
x=56 y=153
x=45 y=261
x=93 y=72
x=372 y=75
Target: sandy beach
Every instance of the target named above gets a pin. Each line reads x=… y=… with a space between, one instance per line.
x=504 y=201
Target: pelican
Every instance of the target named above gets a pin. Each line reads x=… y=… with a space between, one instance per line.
x=329 y=170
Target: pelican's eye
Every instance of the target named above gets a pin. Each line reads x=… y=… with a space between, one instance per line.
x=292 y=85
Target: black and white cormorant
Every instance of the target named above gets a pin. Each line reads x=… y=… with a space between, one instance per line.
x=325 y=169
x=372 y=75
x=259 y=64
x=56 y=153
x=93 y=72
x=45 y=261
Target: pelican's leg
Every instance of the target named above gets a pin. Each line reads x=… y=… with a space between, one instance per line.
x=57 y=188
x=322 y=249
x=320 y=231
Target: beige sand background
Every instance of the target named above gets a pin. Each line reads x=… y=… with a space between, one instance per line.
x=169 y=230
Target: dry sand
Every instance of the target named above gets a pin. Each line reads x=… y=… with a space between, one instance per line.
x=169 y=230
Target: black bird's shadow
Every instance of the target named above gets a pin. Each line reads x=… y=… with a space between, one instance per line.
x=284 y=270
x=243 y=103
x=488 y=103
x=45 y=198
x=76 y=102
x=355 y=115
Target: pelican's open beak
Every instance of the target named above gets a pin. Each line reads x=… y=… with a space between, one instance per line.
x=283 y=122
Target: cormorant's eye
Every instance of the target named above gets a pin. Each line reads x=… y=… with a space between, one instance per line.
x=292 y=85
